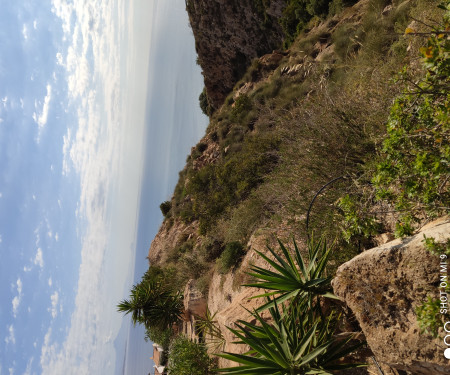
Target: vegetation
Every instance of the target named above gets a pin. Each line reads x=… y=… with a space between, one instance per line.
x=293 y=278
x=270 y=149
x=231 y=256
x=188 y=358
x=415 y=158
x=431 y=314
x=410 y=175
x=204 y=103
x=299 y=339
x=152 y=302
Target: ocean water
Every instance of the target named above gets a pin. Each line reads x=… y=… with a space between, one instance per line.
x=173 y=124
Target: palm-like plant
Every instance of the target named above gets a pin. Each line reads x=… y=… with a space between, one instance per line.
x=299 y=339
x=293 y=278
x=294 y=343
x=152 y=304
x=209 y=328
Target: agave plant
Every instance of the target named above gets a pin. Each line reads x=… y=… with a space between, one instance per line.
x=294 y=343
x=293 y=277
x=152 y=304
x=209 y=328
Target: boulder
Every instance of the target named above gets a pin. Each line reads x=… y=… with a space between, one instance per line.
x=383 y=287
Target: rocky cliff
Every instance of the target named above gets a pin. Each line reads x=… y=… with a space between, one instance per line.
x=229 y=34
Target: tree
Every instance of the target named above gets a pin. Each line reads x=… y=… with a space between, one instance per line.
x=152 y=304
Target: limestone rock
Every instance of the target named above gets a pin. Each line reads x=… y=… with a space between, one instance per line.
x=170 y=234
x=383 y=287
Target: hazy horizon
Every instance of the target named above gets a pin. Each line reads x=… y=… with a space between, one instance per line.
x=99 y=110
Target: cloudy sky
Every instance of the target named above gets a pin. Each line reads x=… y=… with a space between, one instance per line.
x=98 y=110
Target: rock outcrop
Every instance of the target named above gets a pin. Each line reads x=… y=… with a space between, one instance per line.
x=383 y=287
x=229 y=34
x=170 y=234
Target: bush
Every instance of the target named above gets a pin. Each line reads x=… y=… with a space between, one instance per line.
x=204 y=103
x=412 y=173
x=160 y=336
x=188 y=358
x=296 y=15
x=216 y=187
x=231 y=256
x=165 y=208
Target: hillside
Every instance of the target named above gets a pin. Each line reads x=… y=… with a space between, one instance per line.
x=294 y=122
x=293 y=112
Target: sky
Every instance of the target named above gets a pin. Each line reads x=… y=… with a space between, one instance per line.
x=98 y=111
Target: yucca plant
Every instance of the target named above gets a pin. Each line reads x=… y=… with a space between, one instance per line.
x=210 y=330
x=152 y=304
x=293 y=277
x=295 y=342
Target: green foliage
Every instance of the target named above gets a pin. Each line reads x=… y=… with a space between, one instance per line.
x=296 y=15
x=429 y=317
x=204 y=103
x=293 y=278
x=441 y=249
x=432 y=315
x=209 y=329
x=336 y=6
x=231 y=256
x=356 y=224
x=159 y=336
x=295 y=342
x=242 y=106
x=165 y=208
x=156 y=300
x=152 y=304
x=415 y=157
x=188 y=358
x=215 y=187
x=300 y=338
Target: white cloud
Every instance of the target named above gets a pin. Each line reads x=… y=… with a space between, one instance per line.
x=92 y=150
x=28 y=369
x=25 y=32
x=11 y=338
x=26 y=268
x=56 y=237
x=59 y=59
x=54 y=300
x=50 y=282
x=1 y=238
x=39 y=259
x=42 y=118
x=35 y=24
x=17 y=299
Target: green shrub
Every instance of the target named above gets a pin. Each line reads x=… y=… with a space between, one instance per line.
x=431 y=315
x=231 y=257
x=165 y=208
x=430 y=318
x=204 y=103
x=356 y=223
x=298 y=338
x=160 y=336
x=216 y=187
x=414 y=161
x=242 y=106
x=188 y=358
x=296 y=15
